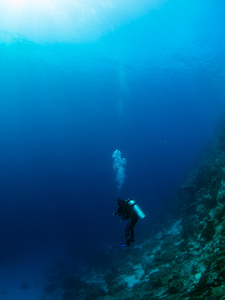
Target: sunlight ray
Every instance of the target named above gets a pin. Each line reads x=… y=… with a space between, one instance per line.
x=48 y=20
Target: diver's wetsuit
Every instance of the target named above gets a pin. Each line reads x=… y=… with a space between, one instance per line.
x=125 y=210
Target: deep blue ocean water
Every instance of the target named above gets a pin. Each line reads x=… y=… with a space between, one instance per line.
x=148 y=82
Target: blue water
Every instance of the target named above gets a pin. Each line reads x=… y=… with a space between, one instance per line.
x=151 y=86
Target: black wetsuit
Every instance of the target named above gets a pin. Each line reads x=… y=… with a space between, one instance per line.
x=126 y=211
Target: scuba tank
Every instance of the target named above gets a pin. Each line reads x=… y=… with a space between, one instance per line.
x=136 y=208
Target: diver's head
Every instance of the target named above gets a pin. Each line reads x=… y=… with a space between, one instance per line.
x=119 y=200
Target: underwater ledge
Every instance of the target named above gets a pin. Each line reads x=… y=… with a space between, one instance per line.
x=182 y=259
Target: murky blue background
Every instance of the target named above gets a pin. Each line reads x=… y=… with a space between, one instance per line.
x=153 y=88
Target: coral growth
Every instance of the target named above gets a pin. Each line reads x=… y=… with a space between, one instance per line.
x=184 y=259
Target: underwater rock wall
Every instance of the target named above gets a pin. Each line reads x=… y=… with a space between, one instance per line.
x=183 y=260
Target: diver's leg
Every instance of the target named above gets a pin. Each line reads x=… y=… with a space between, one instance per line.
x=133 y=223
x=127 y=232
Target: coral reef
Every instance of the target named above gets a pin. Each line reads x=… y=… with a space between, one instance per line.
x=183 y=260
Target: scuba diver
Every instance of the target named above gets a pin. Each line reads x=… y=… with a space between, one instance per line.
x=130 y=211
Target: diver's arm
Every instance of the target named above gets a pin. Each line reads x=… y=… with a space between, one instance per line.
x=116 y=213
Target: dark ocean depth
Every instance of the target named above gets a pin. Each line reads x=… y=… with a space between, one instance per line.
x=151 y=87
